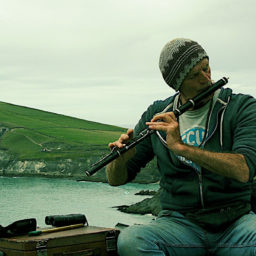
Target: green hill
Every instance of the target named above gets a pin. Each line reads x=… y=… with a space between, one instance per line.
x=31 y=134
x=39 y=143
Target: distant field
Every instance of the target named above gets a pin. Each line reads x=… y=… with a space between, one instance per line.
x=35 y=134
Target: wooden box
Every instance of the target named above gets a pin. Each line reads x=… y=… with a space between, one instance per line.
x=85 y=241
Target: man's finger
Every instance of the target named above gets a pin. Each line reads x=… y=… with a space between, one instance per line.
x=166 y=117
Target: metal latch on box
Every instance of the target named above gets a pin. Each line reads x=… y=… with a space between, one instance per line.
x=111 y=240
x=41 y=249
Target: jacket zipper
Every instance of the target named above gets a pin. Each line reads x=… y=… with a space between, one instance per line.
x=223 y=108
x=200 y=177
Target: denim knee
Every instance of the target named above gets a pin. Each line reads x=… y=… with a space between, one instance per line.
x=129 y=240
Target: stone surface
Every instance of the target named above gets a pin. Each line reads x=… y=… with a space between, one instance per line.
x=146 y=206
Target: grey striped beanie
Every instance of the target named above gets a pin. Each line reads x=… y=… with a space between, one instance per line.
x=177 y=58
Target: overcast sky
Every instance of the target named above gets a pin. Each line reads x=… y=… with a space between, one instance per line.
x=98 y=59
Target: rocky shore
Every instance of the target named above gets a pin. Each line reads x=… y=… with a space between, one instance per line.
x=146 y=206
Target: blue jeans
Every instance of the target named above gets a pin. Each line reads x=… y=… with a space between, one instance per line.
x=172 y=234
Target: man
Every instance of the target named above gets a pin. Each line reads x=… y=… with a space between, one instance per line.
x=206 y=158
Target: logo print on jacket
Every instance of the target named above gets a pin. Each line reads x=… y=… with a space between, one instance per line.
x=193 y=137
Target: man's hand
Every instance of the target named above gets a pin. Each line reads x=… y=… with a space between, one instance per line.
x=167 y=122
x=117 y=169
x=124 y=138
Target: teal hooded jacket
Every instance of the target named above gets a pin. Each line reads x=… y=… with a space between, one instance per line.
x=231 y=128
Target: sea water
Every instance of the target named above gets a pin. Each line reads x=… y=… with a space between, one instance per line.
x=22 y=198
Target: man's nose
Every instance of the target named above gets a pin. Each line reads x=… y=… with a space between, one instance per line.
x=204 y=76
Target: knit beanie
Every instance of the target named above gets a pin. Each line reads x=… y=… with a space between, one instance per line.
x=177 y=58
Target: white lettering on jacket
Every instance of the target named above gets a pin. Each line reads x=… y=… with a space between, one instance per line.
x=193 y=137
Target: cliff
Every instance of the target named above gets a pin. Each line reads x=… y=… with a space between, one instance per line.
x=64 y=168
x=40 y=143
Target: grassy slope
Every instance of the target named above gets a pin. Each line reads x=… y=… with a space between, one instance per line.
x=36 y=134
